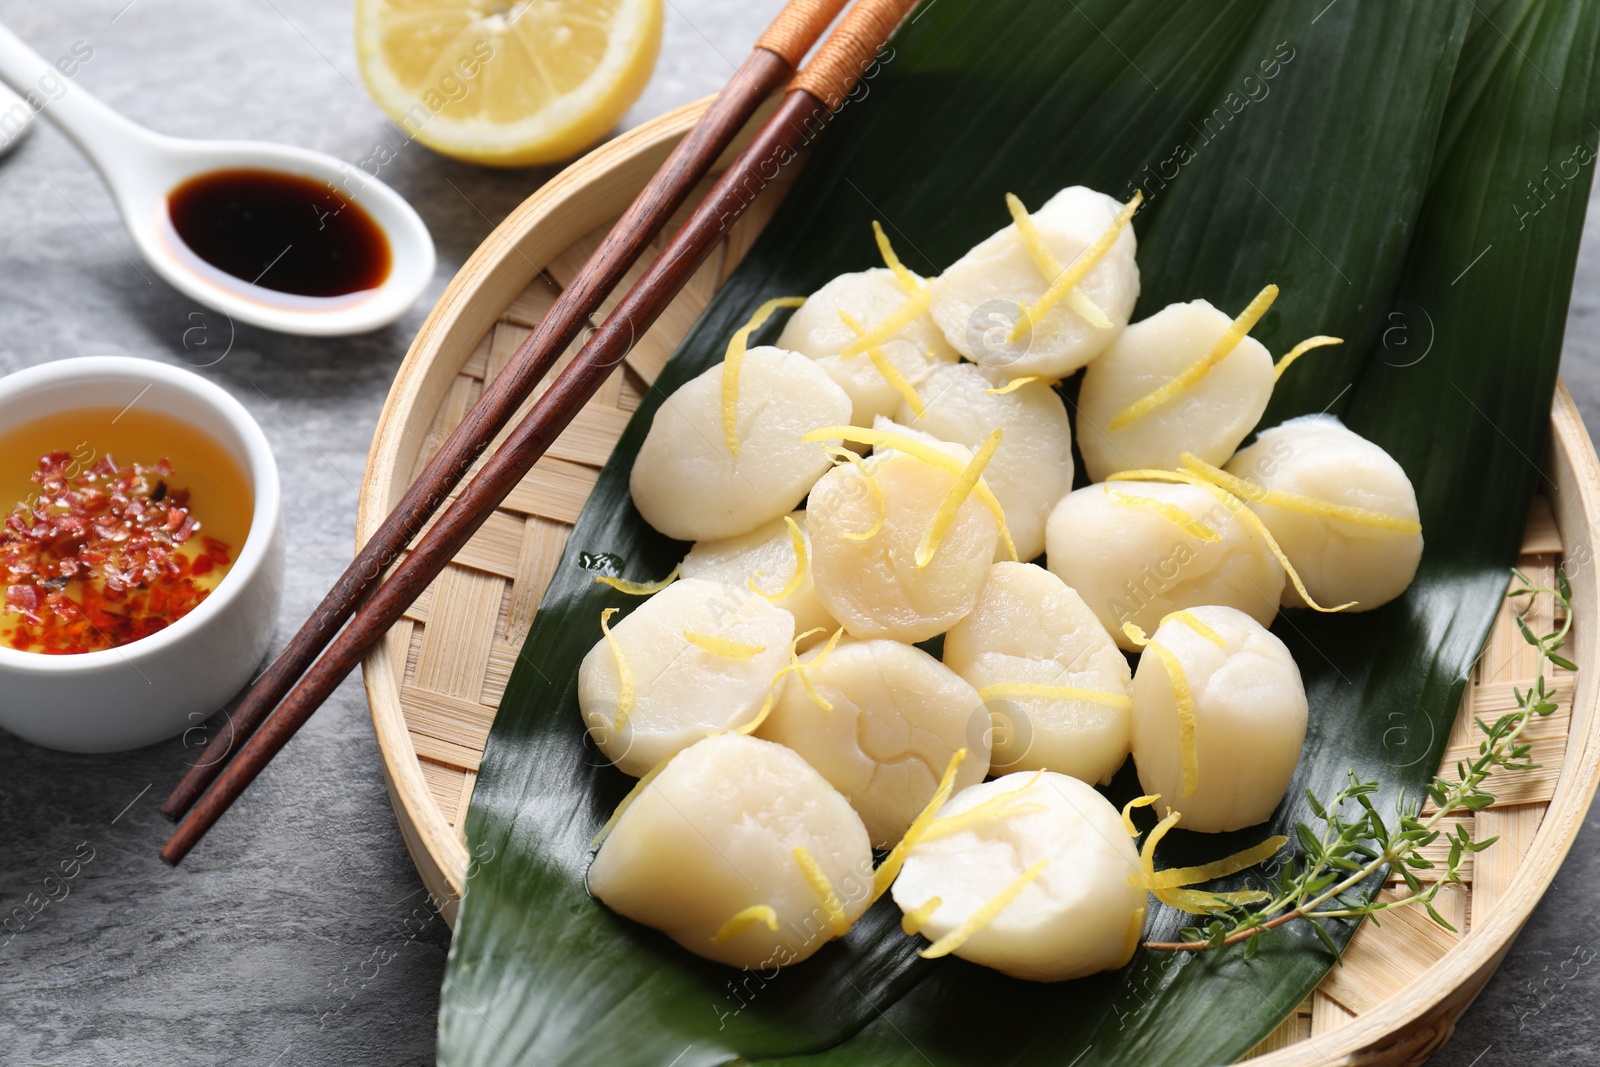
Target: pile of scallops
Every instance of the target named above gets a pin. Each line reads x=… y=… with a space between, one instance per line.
x=898 y=468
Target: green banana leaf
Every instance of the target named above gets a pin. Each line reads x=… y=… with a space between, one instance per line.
x=1361 y=154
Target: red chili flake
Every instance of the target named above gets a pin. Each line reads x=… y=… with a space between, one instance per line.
x=25 y=601
x=111 y=535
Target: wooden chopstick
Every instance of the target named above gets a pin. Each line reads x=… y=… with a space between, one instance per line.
x=771 y=63
x=815 y=93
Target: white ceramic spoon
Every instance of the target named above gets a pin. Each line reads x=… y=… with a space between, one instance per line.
x=141 y=168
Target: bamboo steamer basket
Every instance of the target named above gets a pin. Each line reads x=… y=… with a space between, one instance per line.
x=435 y=683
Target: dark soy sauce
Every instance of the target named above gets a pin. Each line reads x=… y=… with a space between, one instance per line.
x=281 y=232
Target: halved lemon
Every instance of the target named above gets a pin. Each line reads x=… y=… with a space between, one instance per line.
x=507 y=83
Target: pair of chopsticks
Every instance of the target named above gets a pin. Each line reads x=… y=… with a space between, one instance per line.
x=322 y=654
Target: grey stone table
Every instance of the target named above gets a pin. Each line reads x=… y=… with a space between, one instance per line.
x=299 y=933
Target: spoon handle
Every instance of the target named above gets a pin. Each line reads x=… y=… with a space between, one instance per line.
x=109 y=140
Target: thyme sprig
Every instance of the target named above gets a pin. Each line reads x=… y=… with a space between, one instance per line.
x=1356 y=843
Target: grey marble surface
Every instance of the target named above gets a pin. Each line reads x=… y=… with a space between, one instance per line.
x=299 y=932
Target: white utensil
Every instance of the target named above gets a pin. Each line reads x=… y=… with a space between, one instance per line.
x=141 y=168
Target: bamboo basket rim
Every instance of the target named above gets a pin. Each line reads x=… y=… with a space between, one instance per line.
x=553 y=218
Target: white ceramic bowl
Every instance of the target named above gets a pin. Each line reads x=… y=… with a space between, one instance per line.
x=159 y=686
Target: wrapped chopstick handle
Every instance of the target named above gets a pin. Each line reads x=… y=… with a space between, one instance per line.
x=850 y=50
x=797 y=28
